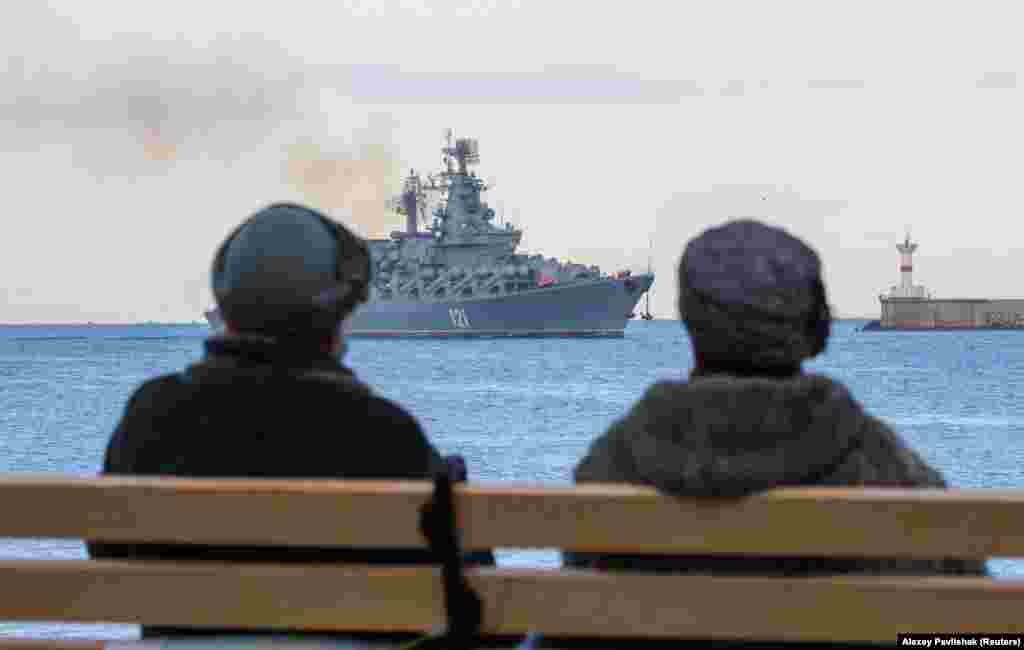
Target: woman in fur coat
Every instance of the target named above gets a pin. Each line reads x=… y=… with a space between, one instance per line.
x=748 y=418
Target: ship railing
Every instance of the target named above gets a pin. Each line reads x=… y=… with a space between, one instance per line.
x=430 y=288
x=470 y=279
x=485 y=603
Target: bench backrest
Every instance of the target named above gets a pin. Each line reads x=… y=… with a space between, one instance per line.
x=612 y=518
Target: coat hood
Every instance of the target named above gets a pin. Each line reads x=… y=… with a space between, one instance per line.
x=726 y=435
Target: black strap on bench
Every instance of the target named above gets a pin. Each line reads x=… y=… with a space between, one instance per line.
x=463 y=607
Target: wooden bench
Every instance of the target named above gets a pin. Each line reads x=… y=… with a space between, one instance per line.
x=554 y=602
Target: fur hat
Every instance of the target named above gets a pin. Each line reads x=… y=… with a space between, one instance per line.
x=752 y=295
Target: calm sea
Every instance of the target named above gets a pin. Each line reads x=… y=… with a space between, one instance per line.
x=522 y=410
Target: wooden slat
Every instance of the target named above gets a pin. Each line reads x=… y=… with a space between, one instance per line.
x=828 y=521
x=234 y=511
x=570 y=603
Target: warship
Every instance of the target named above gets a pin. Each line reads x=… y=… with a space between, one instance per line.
x=462 y=275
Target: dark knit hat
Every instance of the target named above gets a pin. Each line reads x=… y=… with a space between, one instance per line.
x=290 y=271
x=752 y=295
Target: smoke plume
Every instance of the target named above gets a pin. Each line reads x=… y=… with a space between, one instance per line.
x=359 y=185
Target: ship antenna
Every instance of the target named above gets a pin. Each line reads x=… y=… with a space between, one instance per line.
x=448 y=150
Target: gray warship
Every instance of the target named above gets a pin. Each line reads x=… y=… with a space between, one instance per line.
x=461 y=275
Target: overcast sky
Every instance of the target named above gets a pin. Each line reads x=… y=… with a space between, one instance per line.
x=136 y=135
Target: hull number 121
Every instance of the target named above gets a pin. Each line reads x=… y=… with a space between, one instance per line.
x=458 y=316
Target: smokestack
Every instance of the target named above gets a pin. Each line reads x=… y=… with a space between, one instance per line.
x=410 y=203
x=410 y=220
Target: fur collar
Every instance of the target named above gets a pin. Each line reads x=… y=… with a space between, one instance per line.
x=726 y=435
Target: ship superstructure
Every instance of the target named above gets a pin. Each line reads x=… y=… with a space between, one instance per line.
x=461 y=273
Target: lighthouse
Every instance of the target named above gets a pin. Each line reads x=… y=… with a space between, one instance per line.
x=906 y=250
x=906 y=288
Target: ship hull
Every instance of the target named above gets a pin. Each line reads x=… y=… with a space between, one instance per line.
x=594 y=308
x=946 y=315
